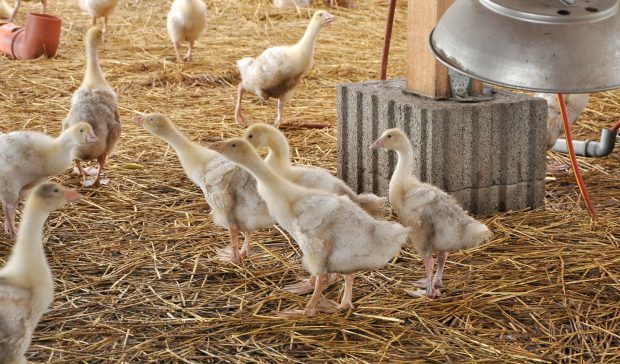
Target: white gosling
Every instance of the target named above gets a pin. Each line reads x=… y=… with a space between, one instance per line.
x=26 y=285
x=334 y=234
x=438 y=223
x=186 y=21
x=278 y=70
x=28 y=157
x=575 y=105
x=96 y=103
x=230 y=191
x=264 y=135
x=99 y=9
x=11 y=13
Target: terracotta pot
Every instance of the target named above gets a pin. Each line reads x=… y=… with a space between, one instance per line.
x=40 y=36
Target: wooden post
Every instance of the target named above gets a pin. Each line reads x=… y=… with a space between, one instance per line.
x=425 y=75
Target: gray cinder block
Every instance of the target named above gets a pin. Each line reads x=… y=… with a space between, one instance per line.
x=490 y=155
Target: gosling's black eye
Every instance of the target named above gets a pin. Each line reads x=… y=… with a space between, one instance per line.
x=81 y=130
x=389 y=136
x=56 y=190
x=250 y=136
x=234 y=145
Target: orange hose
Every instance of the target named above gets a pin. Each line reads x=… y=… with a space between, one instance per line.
x=616 y=126
x=573 y=159
x=388 y=37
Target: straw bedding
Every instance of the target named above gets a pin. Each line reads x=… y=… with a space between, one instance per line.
x=134 y=263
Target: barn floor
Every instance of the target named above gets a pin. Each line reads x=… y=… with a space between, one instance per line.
x=134 y=262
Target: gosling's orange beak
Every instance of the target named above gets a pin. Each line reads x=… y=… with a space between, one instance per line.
x=139 y=120
x=329 y=18
x=217 y=146
x=377 y=144
x=72 y=196
x=91 y=137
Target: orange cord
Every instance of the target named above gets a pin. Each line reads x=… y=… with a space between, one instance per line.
x=573 y=158
x=616 y=126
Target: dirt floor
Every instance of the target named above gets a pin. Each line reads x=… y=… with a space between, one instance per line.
x=135 y=270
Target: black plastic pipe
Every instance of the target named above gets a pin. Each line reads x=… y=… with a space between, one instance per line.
x=590 y=148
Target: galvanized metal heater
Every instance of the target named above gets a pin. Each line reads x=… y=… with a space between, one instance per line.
x=553 y=46
x=559 y=46
x=486 y=150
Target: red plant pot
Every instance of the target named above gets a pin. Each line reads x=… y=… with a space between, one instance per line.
x=40 y=36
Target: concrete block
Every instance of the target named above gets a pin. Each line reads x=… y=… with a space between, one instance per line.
x=490 y=155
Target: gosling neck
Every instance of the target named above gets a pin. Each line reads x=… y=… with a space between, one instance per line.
x=177 y=140
x=93 y=77
x=263 y=173
x=404 y=165
x=279 y=155
x=306 y=43
x=65 y=142
x=28 y=263
x=61 y=152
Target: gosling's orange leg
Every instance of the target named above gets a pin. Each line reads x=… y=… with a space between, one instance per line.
x=78 y=168
x=238 y=115
x=280 y=112
x=176 y=46
x=438 y=279
x=347 y=297
x=188 y=56
x=317 y=303
x=245 y=250
x=14 y=14
x=231 y=254
x=98 y=181
x=430 y=288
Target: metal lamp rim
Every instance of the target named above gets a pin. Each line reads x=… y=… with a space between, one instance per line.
x=447 y=63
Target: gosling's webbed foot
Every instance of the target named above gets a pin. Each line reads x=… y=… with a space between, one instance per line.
x=88 y=171
x=345 y=306
x=325 y=306
x=227 y=255
x=10 y=230
x=240 y=119
x=557 y=168
x=95 y=183
x=91 y=171
x=303 y=287
x=277 y=122
x=423 y=293
x=423 y=283
x=294 y=313
x=307 y=285
x=247 y=252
